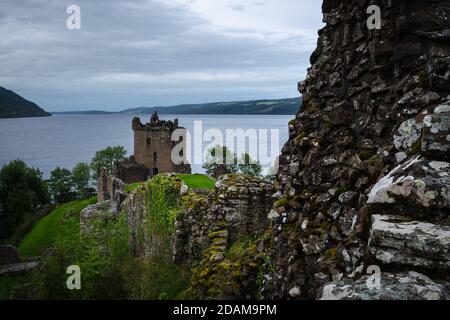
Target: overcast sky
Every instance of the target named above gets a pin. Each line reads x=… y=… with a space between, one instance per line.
x=134 y=53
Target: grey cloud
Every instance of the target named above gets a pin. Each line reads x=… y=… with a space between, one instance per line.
x=140 y=52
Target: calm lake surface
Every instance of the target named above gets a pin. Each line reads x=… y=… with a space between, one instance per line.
x=64 y=140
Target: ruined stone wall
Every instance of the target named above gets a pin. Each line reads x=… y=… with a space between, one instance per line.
x=237 y=207
x=112 y=189
x=224 y=236
x=129 y=171
x=364 y=177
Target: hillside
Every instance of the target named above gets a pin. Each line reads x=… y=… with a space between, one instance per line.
x=14 y=106
x=254 y=107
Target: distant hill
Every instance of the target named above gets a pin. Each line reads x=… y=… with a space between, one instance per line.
x=14 y=106
x=93 y=112
x=254 y=107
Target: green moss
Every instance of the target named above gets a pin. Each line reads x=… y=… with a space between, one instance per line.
x=216 y=234
x=193 y=200
x=365 y=155
x=331 y=254
x=341 y=190
x=424 y=81
x=281 y=202
x=237 y=250
x=373 y=161
x=416 y=147
x=325 y=226
x=300 y=137
x=242 y=262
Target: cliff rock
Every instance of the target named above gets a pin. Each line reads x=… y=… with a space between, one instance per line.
x=364 y=177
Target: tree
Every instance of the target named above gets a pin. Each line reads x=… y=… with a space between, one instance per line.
x=61 y=186
x=22 y=193
x=248 y=166
x=106 y=158
x=220 y=156
x=81 y=177
x=273 y=171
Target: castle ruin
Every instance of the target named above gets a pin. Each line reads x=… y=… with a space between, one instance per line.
x=153 y=145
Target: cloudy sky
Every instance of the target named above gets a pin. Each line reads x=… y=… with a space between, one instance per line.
x=134 y=53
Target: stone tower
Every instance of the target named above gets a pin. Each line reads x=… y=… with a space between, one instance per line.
x=153 y=145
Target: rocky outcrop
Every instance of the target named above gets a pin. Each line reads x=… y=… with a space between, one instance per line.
x=401 y=286
x=11 y=264
x=411 y=244
x=364 y=177
x=17 y=269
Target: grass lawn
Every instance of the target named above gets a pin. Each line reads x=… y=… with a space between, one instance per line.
x=133 y=186
x=44 y=233
x=198 y=181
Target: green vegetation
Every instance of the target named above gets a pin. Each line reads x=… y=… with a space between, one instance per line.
x=45 y=233
x=81 y=178
x=60 y=185
x=105 y=159
x=273 y=171
x=65 y=185
x=239 y=249
x=197 y=181
x=109 y=268
x=101 y=254
x=8 y=283
x=221 y=156
x=155 y=279
x=239 y=268
x=22 y=193
x=248 y=166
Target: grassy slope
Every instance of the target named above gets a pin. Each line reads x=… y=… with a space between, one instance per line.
x=197 y=181
x=46 y=230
